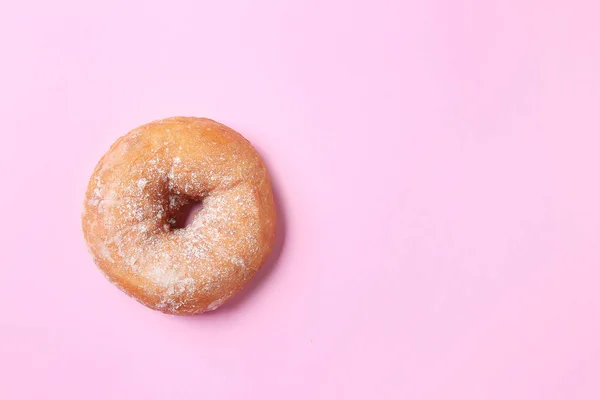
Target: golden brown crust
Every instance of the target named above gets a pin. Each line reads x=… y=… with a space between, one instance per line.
x=140 y=183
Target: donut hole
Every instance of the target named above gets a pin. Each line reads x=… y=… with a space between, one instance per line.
x=184 y=215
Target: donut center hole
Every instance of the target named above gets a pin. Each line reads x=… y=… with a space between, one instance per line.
x=184 y=216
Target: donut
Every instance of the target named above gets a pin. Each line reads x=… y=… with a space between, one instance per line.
x=133 y=197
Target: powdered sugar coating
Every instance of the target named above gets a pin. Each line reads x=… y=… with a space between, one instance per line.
x=140 y=183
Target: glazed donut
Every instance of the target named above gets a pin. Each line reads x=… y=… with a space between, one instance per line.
x=134 y=194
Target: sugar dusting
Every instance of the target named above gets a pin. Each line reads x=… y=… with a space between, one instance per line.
x=135 y=192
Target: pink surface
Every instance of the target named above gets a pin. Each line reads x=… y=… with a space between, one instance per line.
x=436 y=164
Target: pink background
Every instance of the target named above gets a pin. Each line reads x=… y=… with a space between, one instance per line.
x=436 y=165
